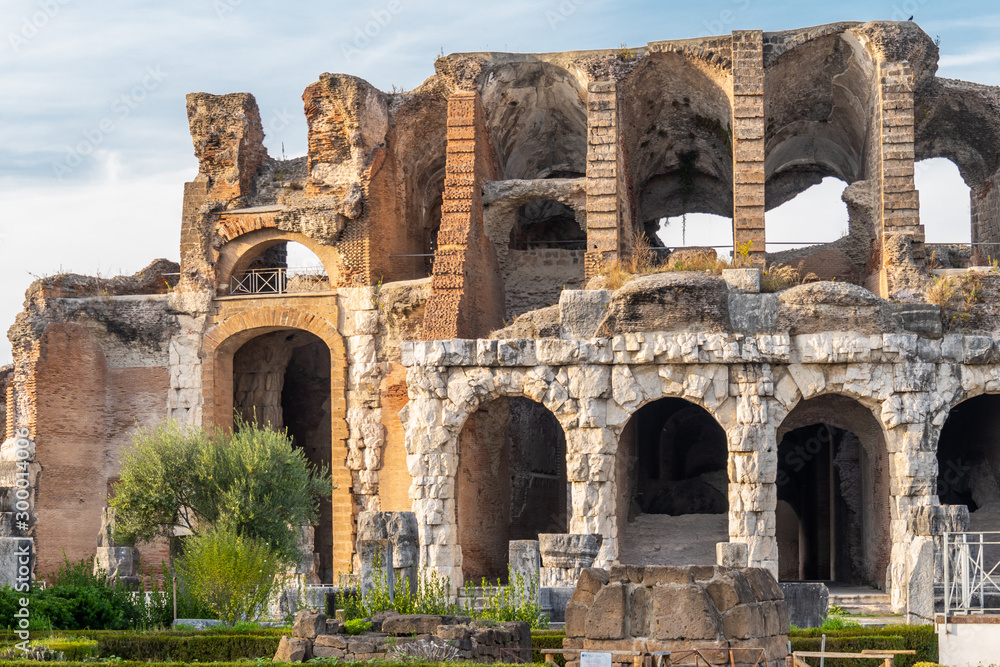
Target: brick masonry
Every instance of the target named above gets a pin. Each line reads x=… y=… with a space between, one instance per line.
x=748 y=146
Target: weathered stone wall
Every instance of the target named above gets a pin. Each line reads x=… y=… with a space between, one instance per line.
x=536 y=277
x=748 y=383
x=393 y=634
x=659 y=608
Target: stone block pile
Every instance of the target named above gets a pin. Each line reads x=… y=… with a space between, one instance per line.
x=670 y=608
x=395 y=635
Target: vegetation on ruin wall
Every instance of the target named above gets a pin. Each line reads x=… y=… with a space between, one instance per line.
x=920 y=638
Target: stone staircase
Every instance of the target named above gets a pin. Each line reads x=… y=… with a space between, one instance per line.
x=859 y=600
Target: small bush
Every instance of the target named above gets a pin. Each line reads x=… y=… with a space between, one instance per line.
x=357 y=626
x=777 y=277
x=232 y=575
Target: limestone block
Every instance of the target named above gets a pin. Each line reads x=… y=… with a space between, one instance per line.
x=743 y=280
x=596 y=351
x=565 y=550
x=750 y=409
x=807 y=603
x=752 y=497
x=953 y=348
x=731 y=554
x=683 y=611
x=557 y=352
x=592 y=413
x=743 y=621
x=376 y=565
x=592 y=381
x=308 y=624
x=979 y=350
x=486 y=352
x=899 y=347
x=914 y=376
x=17 y=556
x=753 y=313
x=932 y=520
x=718 y=348
x=576 y=619
x=810 y=380
x=581 y=312
x=293 y=649
x=640 y=602
x=516 y=352
x=525 y=560
x=607 y=617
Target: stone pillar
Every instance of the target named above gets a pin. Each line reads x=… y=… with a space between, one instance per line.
x=118 y=562
x=590 y=466
x=748 y=147
x=900 y=204
x=912 y=459
x=17 y=556
x=376 y=566
x=465 y=260
x=986 y=219
x=525 y=562
x=608 y=212
x=400 y=529
x=753 y=467
x=565 y=556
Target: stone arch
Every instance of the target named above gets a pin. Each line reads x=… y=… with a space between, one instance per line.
x=510 y=478
x=675 y=115
x=834 y=471
x=236 y=255
x=219 y=346
x=968 y=457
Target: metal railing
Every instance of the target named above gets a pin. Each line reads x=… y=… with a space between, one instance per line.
x=280 y=280
x=971 y=564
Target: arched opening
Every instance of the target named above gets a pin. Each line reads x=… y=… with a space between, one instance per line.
x=281 y=379
x=833 y=494
x=673 y=487
x=275 y=265
x=823 y=249
x=537 y=115
x=511 y=482
x=677 y=130
x=968 y=456
x=545 y=254
x=816 y=100
x=946 y=214
x=697 y=230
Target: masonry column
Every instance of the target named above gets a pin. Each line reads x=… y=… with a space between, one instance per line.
x=748 y=147
x=466 y=288
x=590 y=458
x=608 y=214
x=986 y=219
x=900 y=203
x=753 y=467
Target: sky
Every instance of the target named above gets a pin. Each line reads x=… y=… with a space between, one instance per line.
x=94 y=141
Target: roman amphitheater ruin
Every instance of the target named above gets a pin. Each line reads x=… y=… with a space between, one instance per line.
x=462 y=354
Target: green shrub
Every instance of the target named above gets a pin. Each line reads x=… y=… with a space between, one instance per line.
x=547 y=639
x=837 y=622
x=162 y=647
x=920 y=638
x=516 y=602
x=357 y=626
x=234 y=576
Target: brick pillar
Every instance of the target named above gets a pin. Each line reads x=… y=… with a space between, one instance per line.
x=466 y=289
x=748 y=147
x=900 y=206
x=607 y=215
x=986 y=219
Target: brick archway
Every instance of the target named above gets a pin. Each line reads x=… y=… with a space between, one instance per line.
x=220 y=344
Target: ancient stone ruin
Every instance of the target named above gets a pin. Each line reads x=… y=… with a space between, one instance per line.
x=455 y=345
x=394 y=636
x=656 y=608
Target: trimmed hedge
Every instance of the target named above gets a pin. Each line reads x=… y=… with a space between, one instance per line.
x=920 y=638
x=547 y=639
